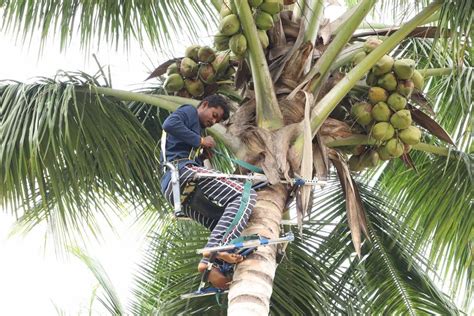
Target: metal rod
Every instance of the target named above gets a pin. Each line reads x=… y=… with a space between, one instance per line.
x=258 y=177
x=248 y=244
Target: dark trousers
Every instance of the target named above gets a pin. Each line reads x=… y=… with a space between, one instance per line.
x=222 y=191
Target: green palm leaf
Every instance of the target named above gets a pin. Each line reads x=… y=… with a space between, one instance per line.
x=110 y=299
x=64 y=149
x=437 y=200
x=116 y=22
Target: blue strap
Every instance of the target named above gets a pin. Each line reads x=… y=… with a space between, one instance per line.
x=243 y=205
x=241 y=163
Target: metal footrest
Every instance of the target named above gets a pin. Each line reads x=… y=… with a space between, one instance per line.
x=204 y=292
x=249 y=244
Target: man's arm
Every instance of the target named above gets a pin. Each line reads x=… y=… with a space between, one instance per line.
x=177 y=125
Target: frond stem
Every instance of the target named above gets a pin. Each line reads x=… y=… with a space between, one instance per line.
x=318 y=73
x=169 y=103
x=268 y=111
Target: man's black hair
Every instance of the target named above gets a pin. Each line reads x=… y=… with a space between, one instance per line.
x=217 y=101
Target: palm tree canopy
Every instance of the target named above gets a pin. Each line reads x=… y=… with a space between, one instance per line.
x=72 y=143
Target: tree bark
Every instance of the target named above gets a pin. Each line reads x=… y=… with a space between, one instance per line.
x=252 y=284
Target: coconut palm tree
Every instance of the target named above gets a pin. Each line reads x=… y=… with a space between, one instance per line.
x=378 y=240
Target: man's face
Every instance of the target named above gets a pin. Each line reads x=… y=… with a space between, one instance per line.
x=209 y=116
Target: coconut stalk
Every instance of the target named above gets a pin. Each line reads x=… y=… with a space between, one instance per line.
x=311 y=32
x=298 y=10
x=433 y=72
x=267 y=109
x=319 y=73
x=169 y=103
x=327 y=104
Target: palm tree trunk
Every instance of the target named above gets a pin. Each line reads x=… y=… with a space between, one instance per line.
x=252 y=284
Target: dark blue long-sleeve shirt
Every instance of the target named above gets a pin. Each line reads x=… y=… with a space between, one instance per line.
x=183 y=135
x=183 y=132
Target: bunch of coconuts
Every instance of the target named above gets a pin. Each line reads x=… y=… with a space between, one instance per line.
x=230 y=34
x=385 y=115
x=198 y=73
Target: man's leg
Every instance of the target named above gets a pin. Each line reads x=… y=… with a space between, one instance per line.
x=186 y=174
x=226 y=192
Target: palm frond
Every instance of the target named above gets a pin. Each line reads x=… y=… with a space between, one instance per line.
x=158 y=22
x=64 y=151
x=169 y=269
x=396 y=274
x=437 y=200
x=110 y=300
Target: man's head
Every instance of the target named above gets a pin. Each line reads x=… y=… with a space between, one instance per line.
x=212 y=109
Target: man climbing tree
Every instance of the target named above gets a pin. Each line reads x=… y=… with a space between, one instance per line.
x=183 y=140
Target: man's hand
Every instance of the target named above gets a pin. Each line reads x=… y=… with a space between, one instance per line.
x=206 y=154
x=208 y=142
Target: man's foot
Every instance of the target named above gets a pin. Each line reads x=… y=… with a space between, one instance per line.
x=215 y=277
x=228 y=257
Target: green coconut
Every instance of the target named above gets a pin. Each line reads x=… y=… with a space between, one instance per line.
x=255 y=3
x=388 y=81
x=263 y=37
x=382 y=131
x=371 y=43
x=394 y=148
x=271 y=6
x=396 y=101
x=401 y=119
x=173 y=83
x=405 y=87
x=221 y=63
x=410 y=135
x=263 y=20
x=183 y=93
x=354 y=163
x=404 y=68
x=188 y=67
x=206 y=54
x=371 y=79
x=361 y=111
x=172 y=69
x=206 y=73
x=377 y=94
x=418 y=80
x=383 y=65
x=229 y=25
x=192 y=52
x=370 y=159
x=194 y=86
x=381 y=112
x=358 y=57
x=238 y=44
x=383 y=153
x=221 y=41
